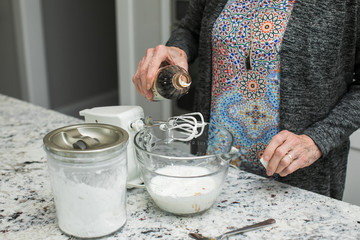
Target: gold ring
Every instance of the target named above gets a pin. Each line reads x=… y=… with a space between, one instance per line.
x=291 y=158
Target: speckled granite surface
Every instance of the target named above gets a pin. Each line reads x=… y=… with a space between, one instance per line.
x=27 y=209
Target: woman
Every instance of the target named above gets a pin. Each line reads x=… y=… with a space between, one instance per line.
x=296 y=111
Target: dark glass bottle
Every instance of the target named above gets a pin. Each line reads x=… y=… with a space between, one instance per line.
x=171 y=82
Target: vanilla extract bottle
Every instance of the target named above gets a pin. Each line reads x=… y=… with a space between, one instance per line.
x=171 y=82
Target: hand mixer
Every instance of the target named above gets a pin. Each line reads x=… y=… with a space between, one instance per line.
x=131 y=118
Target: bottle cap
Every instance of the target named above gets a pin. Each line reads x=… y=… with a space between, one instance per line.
x=181 y=81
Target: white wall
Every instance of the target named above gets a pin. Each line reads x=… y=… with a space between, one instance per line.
x=352 y=185
x=141 y=24
x=23 y=65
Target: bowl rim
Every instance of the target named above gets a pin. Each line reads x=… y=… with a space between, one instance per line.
x=137 y=147
x=225 y=168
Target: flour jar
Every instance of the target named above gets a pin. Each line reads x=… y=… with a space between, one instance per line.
x=88 y=170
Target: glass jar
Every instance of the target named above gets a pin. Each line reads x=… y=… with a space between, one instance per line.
x=87 y=166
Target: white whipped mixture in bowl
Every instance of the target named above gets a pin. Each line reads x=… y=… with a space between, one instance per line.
x=183 y=177
x=182 y=189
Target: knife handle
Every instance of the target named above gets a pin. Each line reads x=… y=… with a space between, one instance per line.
x=250 y=227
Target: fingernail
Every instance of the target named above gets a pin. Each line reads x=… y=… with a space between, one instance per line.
x=148 y=97
x=266 y=158
x=264 y=163
x=148 y=86
x=269 y=173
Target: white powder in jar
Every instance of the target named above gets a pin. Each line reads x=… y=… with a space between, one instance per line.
x=91 y=203
x=181 y=195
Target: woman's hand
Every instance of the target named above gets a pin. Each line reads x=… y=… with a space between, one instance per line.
x=288 y=152
x=150 y=63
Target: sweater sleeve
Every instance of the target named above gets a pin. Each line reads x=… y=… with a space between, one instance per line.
x=342 y=121
x=344 y=118
x=186 y=35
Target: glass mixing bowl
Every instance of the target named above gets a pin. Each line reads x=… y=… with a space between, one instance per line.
x=184 y=177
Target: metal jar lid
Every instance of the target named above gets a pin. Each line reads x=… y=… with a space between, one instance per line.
x=84 y=140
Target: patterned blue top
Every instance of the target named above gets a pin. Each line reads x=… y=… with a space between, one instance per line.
x=245 y=100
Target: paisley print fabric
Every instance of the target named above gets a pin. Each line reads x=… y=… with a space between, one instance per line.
x=245 y=97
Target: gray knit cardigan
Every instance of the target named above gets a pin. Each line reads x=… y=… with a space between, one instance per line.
x=320 y=79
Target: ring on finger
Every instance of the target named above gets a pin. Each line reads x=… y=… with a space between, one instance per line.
x=291 y=158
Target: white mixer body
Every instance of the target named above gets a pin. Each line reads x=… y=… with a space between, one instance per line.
x=121 y=116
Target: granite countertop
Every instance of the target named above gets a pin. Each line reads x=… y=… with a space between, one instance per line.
x=27 y=209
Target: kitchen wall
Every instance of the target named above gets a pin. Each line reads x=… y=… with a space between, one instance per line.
x=9 y=71
x=79 y=44
x=352 y=184
x=141 y=24
x=80 y=39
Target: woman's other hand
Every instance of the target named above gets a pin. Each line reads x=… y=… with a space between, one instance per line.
x=150 y=63
x=288 y=152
